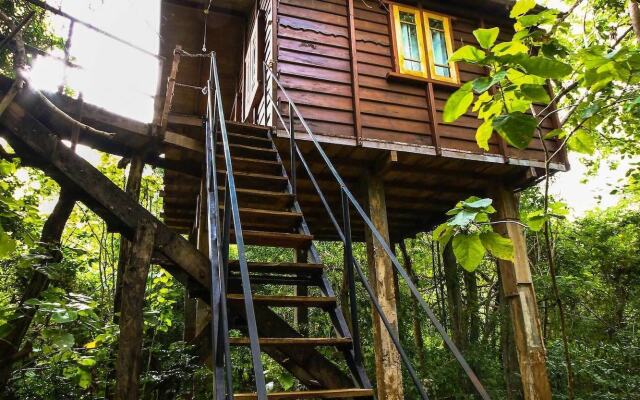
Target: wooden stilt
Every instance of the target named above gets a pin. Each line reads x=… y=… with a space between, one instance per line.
x=134 y=181
x=388 y=366
x=520 y=295
x=128 y=363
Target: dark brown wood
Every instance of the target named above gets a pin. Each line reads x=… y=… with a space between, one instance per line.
x=287 y=268
x=287 y=301
x=129 y=359
x=275 y=239
x=297 y=341
x=431 y=101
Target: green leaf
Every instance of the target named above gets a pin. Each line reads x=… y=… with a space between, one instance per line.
x=517 y=128
x=443 y=234
x=510 y=48
x=556 y=133
x=458 y=103
x=62 y=340
x=286 y=381
x=481 y=85
x=468 y=53
x=536 y=220
x=543 y=67
x=84 y=378
x=483 y=134
x=7 y=244
x=500 y=247
x=536 y=93
x=64 y=316
x=468 y=250
x=522 y=7
x=486 y=37
x=87 y=361
x=463 y=218
x=477 y=203
x=582 y=142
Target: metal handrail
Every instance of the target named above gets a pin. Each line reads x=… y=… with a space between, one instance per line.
x=348 y=197
x=219 y=242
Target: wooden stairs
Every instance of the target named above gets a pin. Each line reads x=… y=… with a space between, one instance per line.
x=271 y=217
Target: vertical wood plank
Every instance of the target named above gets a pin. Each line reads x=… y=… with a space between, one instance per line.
x=129 y=360
x=355 y=84
x=388 y=366
x=518 y=290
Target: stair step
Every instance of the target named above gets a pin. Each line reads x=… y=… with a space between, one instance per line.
x=247 y=129
x=287 y=301
x=262 y=199
x=280 y=268
x=297 y=341
x=241 y=150
x=249 y=180
x=251 y=165
x=257 y=219
x=248 y=140
x=275 y=239
x=310 y=394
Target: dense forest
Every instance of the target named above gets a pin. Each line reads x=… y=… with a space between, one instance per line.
x=586 y=268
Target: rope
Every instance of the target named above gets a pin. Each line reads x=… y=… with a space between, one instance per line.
x=203 y=89
x=193 y=55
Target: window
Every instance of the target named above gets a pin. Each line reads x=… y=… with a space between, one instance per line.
x=413 y=29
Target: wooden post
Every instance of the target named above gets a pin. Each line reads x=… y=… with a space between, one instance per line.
x=134 y=182
x=388 y=366
x=129 y=360
x=520 y=294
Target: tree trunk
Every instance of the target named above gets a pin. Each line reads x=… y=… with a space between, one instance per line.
x=134 y=181
x=472 y=307
x=454 y=298
x=512 y=382
x=634 y=14
x=417 y=326
x=128 y=362
x=52 y=230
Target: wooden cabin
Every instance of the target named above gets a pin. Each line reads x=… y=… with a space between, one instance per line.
x=344 y=65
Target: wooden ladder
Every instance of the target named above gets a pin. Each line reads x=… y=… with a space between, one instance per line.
x=271 y=217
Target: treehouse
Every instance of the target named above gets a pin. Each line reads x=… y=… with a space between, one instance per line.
x=282 y=123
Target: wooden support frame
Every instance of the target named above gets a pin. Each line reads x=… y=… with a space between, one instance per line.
x=517 y=285
x=355 y=80
x=388 y=364
x=171 y=86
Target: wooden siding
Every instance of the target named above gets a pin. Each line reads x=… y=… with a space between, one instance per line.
x=314 y=63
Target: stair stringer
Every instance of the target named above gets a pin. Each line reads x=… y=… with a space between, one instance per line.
x=35 y=142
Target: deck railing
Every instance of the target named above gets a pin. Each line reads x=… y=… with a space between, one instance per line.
x=344 y=233
x=219 y=242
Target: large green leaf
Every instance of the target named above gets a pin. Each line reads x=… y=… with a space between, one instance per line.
x=510 y=48
x=522 y=7
x=486 y=37
x=468 y=250
x=582 y=142
x=7 y=244
x=536 y=93
x=500 y=247
x=468 y=53
x=517 y=128
x=481 y=85
x=483 y=134
x=543 y=67
x=458 y=103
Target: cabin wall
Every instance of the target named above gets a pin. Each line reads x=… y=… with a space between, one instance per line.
x=314 y=64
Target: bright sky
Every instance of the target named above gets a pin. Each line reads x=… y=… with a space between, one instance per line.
x=123 y=80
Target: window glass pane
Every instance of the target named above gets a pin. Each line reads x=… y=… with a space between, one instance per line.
x=436 y=24
x=440 y=54
x=411 y=52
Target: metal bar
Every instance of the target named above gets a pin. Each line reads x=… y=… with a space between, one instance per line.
x=264 y=93
x=376 y=234
x=17 y=29
x=258 y=370
x=348 y=265
x=292 y=151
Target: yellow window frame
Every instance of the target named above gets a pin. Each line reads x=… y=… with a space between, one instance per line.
x=397 y=9
x=448 y=35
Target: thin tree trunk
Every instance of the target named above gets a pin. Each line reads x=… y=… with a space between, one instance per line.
x=634 y=13
x=513 y=384
x=472 y=306
x=417 y=326
x=454 y=298
x=11 y=342
x=128 y=362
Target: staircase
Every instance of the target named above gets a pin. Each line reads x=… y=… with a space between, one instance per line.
x=271 y=217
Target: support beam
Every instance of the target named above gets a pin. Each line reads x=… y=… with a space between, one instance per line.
x=388 y=367
x=302 y=313
x=517 y=285
x=134 y=282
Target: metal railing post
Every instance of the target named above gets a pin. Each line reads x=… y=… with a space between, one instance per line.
x=348 y=265
x=292 y=150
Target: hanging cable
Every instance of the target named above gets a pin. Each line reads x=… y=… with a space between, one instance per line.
x=206 y=18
